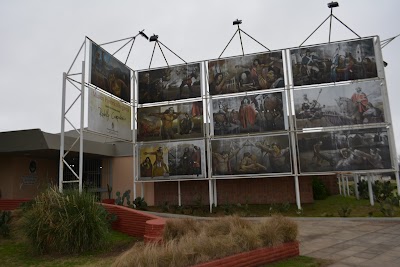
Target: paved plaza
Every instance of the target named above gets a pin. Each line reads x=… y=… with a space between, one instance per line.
x=351 y=241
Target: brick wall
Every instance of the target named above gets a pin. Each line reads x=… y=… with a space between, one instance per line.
x=136 y=223
x=11 y=204
x=257 y=257
x=250 y=190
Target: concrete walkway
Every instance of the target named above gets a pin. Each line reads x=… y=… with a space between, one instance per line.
x=351 y=242
x=345 y=241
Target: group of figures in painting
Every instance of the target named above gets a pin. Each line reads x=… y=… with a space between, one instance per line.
x=247 y=114
x=362 y=149
x=334 y=62
x=178 y=121
x=247 y=73
x=171 y=160
x=352 y=104
x=256 y=155
x=170 y=83
x=109 y=74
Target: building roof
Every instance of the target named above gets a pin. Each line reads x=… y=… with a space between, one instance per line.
x=35 y=142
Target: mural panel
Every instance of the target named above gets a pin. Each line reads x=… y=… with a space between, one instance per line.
x=349 y=150
x=172 y=83
x=178 y=121
x=357 y=103
x=247 y=73
x=249 y=114
x=345 y=61
x=172 y=160
x=251 y=155
x=109 y=74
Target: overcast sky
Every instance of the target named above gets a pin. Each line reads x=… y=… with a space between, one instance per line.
x=40 y=39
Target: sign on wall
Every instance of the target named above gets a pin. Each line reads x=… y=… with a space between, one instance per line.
x=356 y=103
x=251 y=155
x=172 y=160
x=247 y=73
x=356 y=149
x=172 y=83
x=109 y=116
x=178 y=121
x=344 y=61
x=109 y=74
x=257 y=113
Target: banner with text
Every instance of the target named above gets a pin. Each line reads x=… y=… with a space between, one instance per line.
x=109 y=116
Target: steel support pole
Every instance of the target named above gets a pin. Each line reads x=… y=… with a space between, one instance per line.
x=356 y=176
x=62 y=135
x=179 y=194
x=82 y=125
x=370 y=192
x=210 y=193
x=343 y=185
x=292 y=133
x=215 y=193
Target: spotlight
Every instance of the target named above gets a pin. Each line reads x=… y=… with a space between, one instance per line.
x=385 y=63
x=143 y=34
x=237 y=22
x=154 y=38
x=333 y=4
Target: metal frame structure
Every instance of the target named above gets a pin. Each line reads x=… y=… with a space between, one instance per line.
x=207 y=98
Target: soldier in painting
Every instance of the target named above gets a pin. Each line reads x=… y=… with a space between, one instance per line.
x=249 y=164
x=159 y=166
x=167 y=119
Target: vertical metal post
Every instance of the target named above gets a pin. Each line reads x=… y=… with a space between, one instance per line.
x=292 y=133
x=62 y=134
x=339 y=184
x=210 y=193
x=215 y=193
x=396 y=173
x=179 y=194
x=82 y=125
x=343 y=185
x=370 y=192
x=356 y=186
x=207 y=107
x=135 y=152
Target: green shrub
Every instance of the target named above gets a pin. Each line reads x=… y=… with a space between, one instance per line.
x=383 y=190
x=344 y=211
x=121 y=199
x=5 y=218
x=139 y=203
x=363 y=189
x=319 y=189
x=65 y=222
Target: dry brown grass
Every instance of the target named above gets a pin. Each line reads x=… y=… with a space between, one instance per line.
x=188 y=242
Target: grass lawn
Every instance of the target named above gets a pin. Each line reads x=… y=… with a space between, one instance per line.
x=14 y=253
x=301 y=261
x=333 y=206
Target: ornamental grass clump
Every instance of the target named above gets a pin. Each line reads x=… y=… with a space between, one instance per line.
x=67 y=222
x=188 y=242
